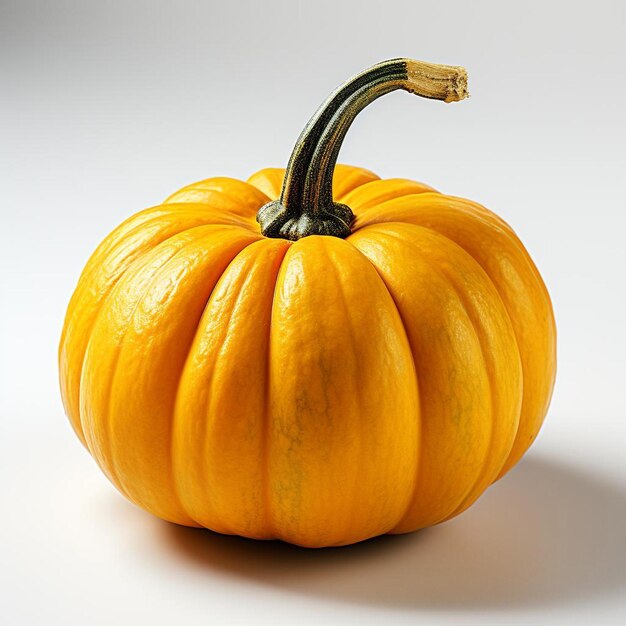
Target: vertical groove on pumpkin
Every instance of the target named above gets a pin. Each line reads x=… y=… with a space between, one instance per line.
x=119 y=480
x=209 y=416
x=406 y=520
x=504 y=230
x=106 y=250
x=330 y=268
x=492 y=416
x=172 y=456
x=108 y=466
x=93 y=446
x=418 y=445
x=116 y=421
x=384 y=526
x=158 y=276
x=490 y=377
x=511 y=459
x=267 y=416
x=461 y=497
x=417 y=210
x=468 y=502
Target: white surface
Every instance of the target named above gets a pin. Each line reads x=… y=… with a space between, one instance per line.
x=107 y=108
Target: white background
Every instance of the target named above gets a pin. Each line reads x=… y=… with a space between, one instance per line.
x=106 y=108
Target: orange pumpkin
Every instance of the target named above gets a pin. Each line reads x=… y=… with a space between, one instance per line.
x=368 y=360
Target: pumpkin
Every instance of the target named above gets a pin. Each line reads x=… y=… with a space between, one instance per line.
x=316 y=355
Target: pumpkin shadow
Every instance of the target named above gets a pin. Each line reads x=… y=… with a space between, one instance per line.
x=545 y=534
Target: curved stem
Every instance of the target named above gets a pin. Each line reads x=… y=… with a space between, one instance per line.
x=306 y=143
x=306 y=205
x=318 y=189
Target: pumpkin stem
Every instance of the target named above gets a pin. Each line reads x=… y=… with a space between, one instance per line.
x=306 y=205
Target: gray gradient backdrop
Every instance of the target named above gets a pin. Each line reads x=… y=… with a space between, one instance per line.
x=107 y=107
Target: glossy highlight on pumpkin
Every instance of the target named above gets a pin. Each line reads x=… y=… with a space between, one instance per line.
x=319 y=391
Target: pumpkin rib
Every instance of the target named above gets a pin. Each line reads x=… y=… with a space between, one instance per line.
x=79 y=294
x=84 y=290
x=204 y=427
x=393 y=524
x=136 y=264
x=331 y=268
x=201 y=262
x=351 y=177
x=267 y=415
x=476 y=211
x=456 y=292
x=122 y=230
x=209 y=382
x=492 y=417
x=491 y=374
x=534 y=288
x=111 y=293
x=419 y=455
x=213 y=183
x=206 y=424
x=315 y=379
x=87 y=275
x=269 y=181
x=109 y=244
x=505 y=437
x=153 y=214
x=219 y=216
x=502 y=227
x=235 y=196
x=416 y=486
x=110 y=467
x=115 y=371
x=215 y=215
x=375 y=192
x=467 y=501
x=472 y=210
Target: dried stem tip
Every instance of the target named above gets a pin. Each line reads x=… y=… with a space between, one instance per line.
x=441 y=82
